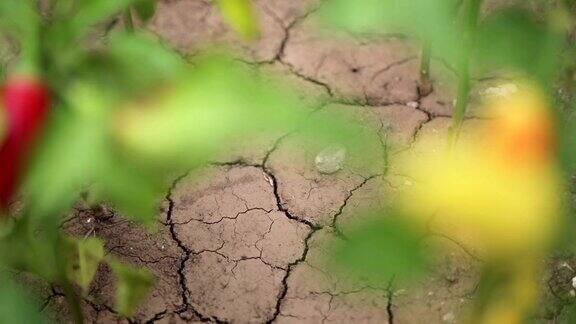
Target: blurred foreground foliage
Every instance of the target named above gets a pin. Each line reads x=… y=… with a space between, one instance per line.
x=127 y=115
x=513 y=38
x=522 y=40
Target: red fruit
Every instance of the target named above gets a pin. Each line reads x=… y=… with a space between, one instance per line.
x=25 y=104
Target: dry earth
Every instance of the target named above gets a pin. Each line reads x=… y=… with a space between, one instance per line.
x=244 y=240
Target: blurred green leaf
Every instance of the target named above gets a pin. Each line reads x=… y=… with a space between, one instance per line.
x=568 y=314
x=240 y=15
x=84 y=257
x=18 y=249
x=136 y=62
x=95 y=11
x=19 y=18
x=145 y=9
x=515 y=39
x=16 y=306
x=189 y=121
x=383 y=249
x=21 y=21
x=567 y=139
x=134 y=194
x=132 y=285
x=426 y=19
x=77 y=152
x=64 y=162
x=64 y=35
x=219 y=104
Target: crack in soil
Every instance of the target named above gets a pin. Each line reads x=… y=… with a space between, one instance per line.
x=389 y=303
x=334 y=224
x=186 y=305
x=291 y=266
x=157 y=317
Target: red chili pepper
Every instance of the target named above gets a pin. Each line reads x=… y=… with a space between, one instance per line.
x=25 y=103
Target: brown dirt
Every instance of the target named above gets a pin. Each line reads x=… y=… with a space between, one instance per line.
x=244 y=240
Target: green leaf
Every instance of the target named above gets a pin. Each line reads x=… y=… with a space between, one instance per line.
x=21 y=21
x=31 y=245
x=16 y=306
x=145 y=9
x=93 y=12
x=217 y=105
x=137 y=62
x=19 y=18
x=515 y=39
x=239 y=14
x=132 y=285
x=84 y=258
x=133 y=193
x=64 y=162
x=190 y=120
x=382 y=249
x=568 y=314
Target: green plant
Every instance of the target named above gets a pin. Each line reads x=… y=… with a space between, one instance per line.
x=122 y=119
x=523 y=44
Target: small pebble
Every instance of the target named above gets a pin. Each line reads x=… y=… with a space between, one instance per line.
x=502 y=90
x=269 y=180
x=331 y=159
x=448 y=317
x=413 y=104
x=386 y=126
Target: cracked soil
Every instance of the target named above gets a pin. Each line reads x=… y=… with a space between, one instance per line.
x=244 y=240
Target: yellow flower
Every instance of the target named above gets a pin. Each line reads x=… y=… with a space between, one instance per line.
x=497 y=189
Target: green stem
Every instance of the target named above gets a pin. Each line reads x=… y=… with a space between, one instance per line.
x=425 y=86
x=128 y=22
x=73 y=301
x=470 y=21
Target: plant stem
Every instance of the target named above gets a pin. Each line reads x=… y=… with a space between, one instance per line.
x=425 y=86
x=73 y=302
x=469 y=24
x=128 y=22
x=63 y=281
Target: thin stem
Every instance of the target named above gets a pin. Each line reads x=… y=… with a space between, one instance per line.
x=425 y=86
x=469 y=25
x=72 y=298
x=128 y=22
x=73 y=301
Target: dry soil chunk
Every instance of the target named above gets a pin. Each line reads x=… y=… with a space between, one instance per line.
x=315 y=197
x=316 y=294
x=240 y=244
x=192 y=25
x=376 y=73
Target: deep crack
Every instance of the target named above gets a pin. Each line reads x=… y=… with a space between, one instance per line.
x=186 y=252
x=291 y=266
x=390 y=304
x=334 y=224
